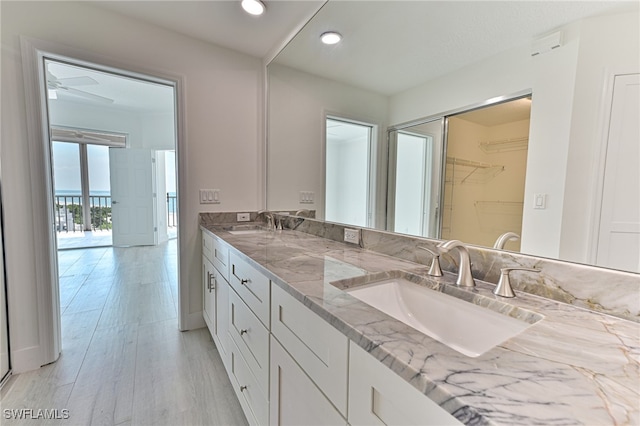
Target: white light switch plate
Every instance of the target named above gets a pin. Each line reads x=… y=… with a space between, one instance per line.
x=209 y=196
x=243 y=217
x=540 y=201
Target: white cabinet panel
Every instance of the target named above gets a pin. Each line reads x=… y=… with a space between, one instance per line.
x=251 y=286
x=208 y=294
x=378 y=396
x=220 y=257
x=207 y=245
x=253 y=402
x=251 y=338
x=321 y=350
x=295 y=399
x=221 y=336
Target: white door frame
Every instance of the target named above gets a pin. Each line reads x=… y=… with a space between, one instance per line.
x=34 y=51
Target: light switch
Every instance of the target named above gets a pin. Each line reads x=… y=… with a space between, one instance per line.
x=540 y=201
x=209 y=196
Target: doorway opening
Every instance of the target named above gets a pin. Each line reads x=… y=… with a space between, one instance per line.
x=348 y=174
x=113 y=171
x=485 y=170
x=414 y=179
x=110 y=185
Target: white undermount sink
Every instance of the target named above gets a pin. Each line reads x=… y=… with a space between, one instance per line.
x=462 y=325
x=245 y=229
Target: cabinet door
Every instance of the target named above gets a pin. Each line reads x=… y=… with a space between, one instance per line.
x=294 y=398
x=320 y=349
x=208 y=294
x=378 y=396
x=222 y=319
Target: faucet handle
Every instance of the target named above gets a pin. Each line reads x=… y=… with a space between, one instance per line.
x=504 y=289
x=434 y=270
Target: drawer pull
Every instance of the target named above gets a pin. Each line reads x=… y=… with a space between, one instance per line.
x=243 y=388
x=244 y=281
x=243 y=331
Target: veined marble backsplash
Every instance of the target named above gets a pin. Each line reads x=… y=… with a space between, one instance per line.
x=603 y=290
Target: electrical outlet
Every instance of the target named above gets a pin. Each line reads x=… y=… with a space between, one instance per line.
x=243 y=217
x=352 y=236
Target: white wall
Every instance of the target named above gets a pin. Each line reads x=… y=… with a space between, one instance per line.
x=551 y=77
x=222 y=109
x=608 y=45
x=298 y=103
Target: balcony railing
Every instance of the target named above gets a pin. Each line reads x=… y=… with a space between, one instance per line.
x=69 y=217
x=172 y=217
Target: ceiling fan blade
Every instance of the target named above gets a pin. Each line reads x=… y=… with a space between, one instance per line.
x=83 y=94
x=77 y=81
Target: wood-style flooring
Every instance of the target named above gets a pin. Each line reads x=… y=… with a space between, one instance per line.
x=124 y=361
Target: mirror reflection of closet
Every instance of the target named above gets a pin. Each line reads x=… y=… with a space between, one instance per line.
x=485 y=169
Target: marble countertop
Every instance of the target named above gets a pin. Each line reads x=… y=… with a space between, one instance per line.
x=574 y=366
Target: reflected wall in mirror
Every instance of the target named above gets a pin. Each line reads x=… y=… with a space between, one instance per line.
x=400 y=61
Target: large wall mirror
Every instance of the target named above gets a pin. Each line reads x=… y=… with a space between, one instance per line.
x=420 y=73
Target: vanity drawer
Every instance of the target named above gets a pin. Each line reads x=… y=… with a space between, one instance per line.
x=378 y=396
x=251 y=286
x=251 y=338
x=253 y=402
x=320 y=349
x=220 y=257
x=207 y=245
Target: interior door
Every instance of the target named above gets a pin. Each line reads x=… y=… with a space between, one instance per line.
x=413 y=184
x=619 y=236
x=132 y=197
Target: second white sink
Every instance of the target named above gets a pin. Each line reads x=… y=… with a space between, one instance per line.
x=462 y=325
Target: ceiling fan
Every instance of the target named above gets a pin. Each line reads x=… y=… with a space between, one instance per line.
x=63 y=86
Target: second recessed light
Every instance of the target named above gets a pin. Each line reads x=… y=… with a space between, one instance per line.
x=331 y=37
x=253 y=7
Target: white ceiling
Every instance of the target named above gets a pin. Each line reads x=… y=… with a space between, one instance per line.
x=495 y=115
x=128 y=94
x=391 y=46
x=223 y=22
x=388 y=46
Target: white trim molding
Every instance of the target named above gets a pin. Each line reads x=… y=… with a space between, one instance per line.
x=34 y=51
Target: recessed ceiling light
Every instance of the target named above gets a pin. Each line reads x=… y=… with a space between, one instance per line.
x=330 y=37
x=253 y=7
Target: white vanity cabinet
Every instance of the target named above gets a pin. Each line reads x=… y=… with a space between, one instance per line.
x=215 y=296
x=378 y=396
x=295 y=399
x=209 y=295
x=320 y=350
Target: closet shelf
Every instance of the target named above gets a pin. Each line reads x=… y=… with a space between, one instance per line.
x=461 y=171
x=504 y=145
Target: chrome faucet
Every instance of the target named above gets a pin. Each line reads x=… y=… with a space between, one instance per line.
x=268 y=216
x=504 y=289
x=502 y=239
x=434 y=269
x=465 y=278
x=303 y=213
